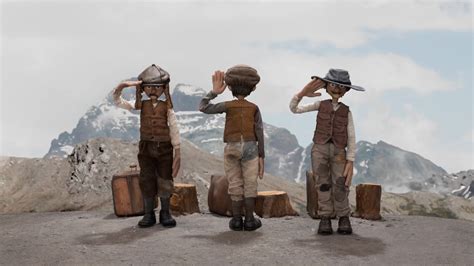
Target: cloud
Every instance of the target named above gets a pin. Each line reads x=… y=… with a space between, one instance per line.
x=59 y=58
x=410 y=129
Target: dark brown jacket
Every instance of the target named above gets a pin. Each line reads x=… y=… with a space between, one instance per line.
x=331 y=125
x=154 y=122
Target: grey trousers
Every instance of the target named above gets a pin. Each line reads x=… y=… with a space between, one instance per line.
x=328 y=163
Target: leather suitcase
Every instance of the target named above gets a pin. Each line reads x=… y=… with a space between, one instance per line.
x=126 y=194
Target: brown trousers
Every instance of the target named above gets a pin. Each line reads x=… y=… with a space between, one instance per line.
x=328 y=163
x=241 y=169
x=156 y=163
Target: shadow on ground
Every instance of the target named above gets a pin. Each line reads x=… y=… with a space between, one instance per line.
x=230 y=237
x=343 y=245
x=124 y=236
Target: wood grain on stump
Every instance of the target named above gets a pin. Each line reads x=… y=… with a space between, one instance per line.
x=184 y=199
x=273 y=204
x=218 y=198
x=368 y=198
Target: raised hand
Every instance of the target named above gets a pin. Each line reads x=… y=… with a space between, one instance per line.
x=218 y=84
x=130 y=83
x=310 y=89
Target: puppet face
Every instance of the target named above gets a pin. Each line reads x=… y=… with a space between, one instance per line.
x=335 y=90
x=154 y=92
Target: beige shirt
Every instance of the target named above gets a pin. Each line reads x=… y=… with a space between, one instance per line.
x=172 y=122
x=351 y=143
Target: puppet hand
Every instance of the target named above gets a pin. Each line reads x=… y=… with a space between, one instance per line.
x=261 y=167
x=176 y=162
x=310 y=89
x=218 y=84
x=348 y=172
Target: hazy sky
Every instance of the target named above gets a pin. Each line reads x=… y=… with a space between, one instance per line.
x=415 y=58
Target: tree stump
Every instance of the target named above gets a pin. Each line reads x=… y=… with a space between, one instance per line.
x=184 y=199
x=218 y=198
x=311 y=196
x=273 y=204
x=368 y=198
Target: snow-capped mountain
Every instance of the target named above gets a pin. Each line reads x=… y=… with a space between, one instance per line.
x=396 y=169
x=283 y=153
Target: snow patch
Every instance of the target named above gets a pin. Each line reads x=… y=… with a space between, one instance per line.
x=300 y=167
x=67 y=149
x=459 y=189
x=210 y=140
x=191 y=90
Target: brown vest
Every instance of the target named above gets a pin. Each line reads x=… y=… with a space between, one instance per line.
x=154 y=122
x=331 y=125
x=240 y=121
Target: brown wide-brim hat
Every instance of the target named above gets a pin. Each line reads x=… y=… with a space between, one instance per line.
x=241 y=75
x=340 y=77
x=154 y=76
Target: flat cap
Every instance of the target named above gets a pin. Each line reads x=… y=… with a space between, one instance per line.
x=241 y=75
x=154 y=76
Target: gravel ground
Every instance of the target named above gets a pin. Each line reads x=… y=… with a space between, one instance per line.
x=97 y=237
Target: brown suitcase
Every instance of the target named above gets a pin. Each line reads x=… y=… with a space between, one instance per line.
x=126 y=194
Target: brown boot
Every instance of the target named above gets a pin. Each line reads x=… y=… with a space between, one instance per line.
x=236 y=222
x=251 y=223
x=149 y=219
x=344 y=226
x=166 y=219
x=325 y=227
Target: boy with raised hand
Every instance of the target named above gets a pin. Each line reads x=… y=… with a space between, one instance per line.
x=243 y=134
x=159 y=147
x=332 y=164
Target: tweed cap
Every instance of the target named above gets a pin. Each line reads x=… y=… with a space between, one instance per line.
x=341 y=77
x=241 y=75
x=154 y=76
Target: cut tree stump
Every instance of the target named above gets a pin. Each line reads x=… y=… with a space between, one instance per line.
x=273 y=204
x=184 y=199
x=218 y=198
x=311 y=196
x=368 y=198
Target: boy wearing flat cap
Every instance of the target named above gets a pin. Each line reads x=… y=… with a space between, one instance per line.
x=332 y=164
x=244 y=152
x=159 y=146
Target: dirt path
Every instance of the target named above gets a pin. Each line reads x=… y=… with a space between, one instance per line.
x=100 y=238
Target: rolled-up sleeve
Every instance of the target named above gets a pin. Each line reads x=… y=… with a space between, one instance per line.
x=174 y=129
x=351 y=139
x=294 y=108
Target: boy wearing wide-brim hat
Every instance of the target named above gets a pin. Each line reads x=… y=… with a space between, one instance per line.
x=332 y=164
x=159 y=147
x=243 y=134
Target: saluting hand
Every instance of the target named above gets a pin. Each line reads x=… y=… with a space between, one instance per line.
x=218 y=84
x=310 y=89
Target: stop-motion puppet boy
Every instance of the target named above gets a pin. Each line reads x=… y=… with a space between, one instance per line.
x=243 y=134
x=159 y=147
x=332 y=164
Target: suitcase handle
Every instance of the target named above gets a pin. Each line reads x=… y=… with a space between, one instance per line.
x=133 y=167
